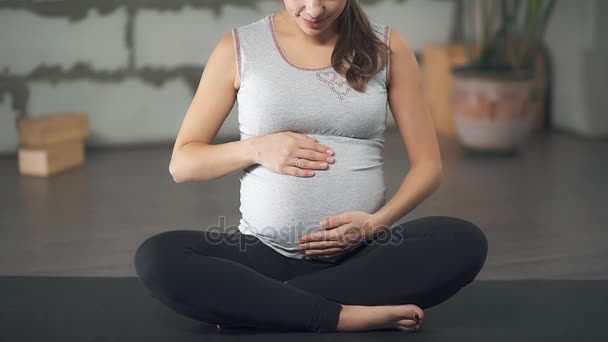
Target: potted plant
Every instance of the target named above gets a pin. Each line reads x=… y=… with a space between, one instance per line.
x=494 y=96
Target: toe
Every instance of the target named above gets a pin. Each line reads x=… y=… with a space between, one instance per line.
x=416 y=313
x=407 y=322
x=407 y=329
x=420 y=314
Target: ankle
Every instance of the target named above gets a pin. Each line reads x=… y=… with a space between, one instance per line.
x=347 y=319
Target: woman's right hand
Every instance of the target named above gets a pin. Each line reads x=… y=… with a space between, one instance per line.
x=279 y=152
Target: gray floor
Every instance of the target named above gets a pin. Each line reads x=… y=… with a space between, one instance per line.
x=544 y=210
x=120 y=310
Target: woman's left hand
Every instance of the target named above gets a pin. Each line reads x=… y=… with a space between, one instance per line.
x=341 y=233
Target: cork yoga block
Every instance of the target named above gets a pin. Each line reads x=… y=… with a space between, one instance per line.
x=51 y=159
x=53 y=128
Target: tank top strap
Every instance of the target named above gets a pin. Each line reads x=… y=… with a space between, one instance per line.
x=383 y=32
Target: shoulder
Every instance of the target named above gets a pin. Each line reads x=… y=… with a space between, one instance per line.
x=399 y=44
x=224 y=47
x=220 y=63
x=404 y=67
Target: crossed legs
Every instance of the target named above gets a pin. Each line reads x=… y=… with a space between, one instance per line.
x=235 y=279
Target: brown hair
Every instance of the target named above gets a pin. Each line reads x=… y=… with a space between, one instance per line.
x=359 y=54
x=358 y=46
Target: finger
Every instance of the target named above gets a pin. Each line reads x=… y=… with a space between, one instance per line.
x=296 y=171
x=321 y=245
x=328 y=251
x=314 y=156
x=315 y=146
x=309 y=164
x=334 y=221
x=321 y=235
x=334 y=254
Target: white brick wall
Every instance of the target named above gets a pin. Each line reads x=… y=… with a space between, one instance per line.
x=120 y=113
x=169 y=38
x=8 y=129
x=28 y=40
x=131 y=110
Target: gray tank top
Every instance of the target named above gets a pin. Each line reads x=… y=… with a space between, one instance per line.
x=276 y=95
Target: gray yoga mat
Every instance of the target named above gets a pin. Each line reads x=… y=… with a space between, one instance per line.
x=118 y=309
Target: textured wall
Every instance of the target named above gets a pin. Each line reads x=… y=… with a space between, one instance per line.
x=134 y=65
x=577 y=37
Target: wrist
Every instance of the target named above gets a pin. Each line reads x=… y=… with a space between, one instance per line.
x=378 y=223
x=253 y=150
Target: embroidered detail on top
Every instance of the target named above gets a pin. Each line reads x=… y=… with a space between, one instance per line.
x=330 y=76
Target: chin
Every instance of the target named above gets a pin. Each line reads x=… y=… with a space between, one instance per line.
x=312 y=31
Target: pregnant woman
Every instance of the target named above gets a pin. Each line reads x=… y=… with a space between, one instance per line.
x=316 y=248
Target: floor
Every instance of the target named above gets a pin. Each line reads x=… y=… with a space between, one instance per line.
x=543 y=209
x=120 y=310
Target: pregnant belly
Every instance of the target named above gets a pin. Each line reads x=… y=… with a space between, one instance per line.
x=282 y=207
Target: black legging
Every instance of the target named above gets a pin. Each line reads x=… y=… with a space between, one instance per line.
x=235 y=279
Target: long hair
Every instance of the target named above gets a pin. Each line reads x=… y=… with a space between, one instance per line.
x=359 y=54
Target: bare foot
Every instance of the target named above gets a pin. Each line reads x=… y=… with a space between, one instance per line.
x=364 y=318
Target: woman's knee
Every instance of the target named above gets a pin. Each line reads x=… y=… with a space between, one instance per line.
x=154 y=254
x=470 y=239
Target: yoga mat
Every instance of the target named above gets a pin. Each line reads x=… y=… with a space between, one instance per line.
x=119 y=309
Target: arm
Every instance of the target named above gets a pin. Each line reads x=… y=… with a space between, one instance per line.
x=194 y=158
x=203 y=162
x=418 y=134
